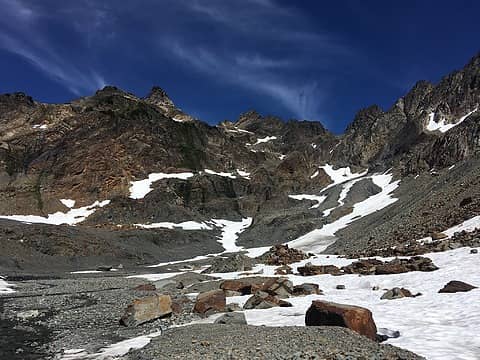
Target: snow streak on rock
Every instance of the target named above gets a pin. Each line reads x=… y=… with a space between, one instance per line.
x=139 y=189
x=442 y=125
x=72 y=217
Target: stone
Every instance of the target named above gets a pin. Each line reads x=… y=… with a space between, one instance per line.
x=263 y=300
x=104 y=268
x=237 y=318
x=233 y=263
x=396 y=293
x=28 y=314
x=309 y=270
x=283 y=270
x=280 y=287
x=455 y=286
x=438 y=236
x=233 y=307
x=209 y=302
x=145 y=287
x=356 y=318
x=237 y=286
x=307 y=289
x=147 y=309
x=160 y=284
x=282 y=255
x=180 y=302
x=474 y=251
x=340 y=287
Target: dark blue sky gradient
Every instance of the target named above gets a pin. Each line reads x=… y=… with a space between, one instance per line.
x=313 y=60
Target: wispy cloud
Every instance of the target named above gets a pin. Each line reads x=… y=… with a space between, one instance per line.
x=25 y=37
x=250 y=72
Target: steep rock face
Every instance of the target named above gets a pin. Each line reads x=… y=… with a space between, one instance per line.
x=376 y=138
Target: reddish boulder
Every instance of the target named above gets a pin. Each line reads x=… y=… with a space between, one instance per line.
x=147 y=309
x=238 y=286
x=356 y=318
x=456 y=286
x=209 y=302
x=438 y=236
x=281 y=287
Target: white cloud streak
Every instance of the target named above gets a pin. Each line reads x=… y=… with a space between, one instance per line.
x=25 y=38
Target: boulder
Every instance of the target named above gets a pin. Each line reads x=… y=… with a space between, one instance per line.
x=282 y=255
x=263 y=300
x=309 y=270
x=438 y=236
x=164 y=283
x=455 y=286
x=233 y=263
x=307 y=289
x=237 y=318
x=104 y=268
x=340 y=287
x=283 y=270
x=145 y=287
x=356 y=318
x=280 y=287
x=474 y=251
x=209 y=302
x=396 y=293
x=180 y=302
x=238 y=286
x=147 y=309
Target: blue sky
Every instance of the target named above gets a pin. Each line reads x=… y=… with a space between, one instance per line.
x=313 y=60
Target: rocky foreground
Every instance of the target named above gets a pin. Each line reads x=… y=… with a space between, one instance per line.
x=259 y=342
x=201 y=308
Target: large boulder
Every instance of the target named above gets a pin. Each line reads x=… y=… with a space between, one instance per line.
x=356 y=318
x=455 y=286
x=210 y=302
x=236 y=286
x=232 y=263
x=147 y=309
x=263 y=300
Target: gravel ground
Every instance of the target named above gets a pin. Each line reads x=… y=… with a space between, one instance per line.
x=260 y=342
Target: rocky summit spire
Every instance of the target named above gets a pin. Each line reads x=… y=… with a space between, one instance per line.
x=158 y=97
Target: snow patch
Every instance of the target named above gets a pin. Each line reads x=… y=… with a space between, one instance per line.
x=340 y=175
x=442 y=125
x=230 y=232
x=5 y=287
x=224 y=174
x=319 y=239
x=318 y=198
x=186 y=225
x=139 y=189
x=315 y=174
x=243 y=174
x=68 y=203
x=265 y=139
x=40 y=126
x=72 y=217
